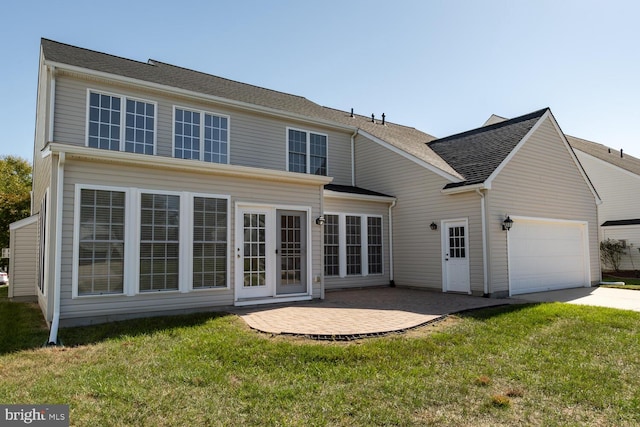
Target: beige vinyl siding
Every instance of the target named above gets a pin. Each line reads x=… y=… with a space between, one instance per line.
x=256 y=140
x=630 y=260
x=24 y=256
x=240 y=190
x=418 y=253
x=358 y=207
x=619 y=189
x=541 y=180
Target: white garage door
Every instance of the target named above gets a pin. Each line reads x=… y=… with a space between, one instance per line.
x=546 y=255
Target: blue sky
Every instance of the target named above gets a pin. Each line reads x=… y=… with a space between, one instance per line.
x=440 y=66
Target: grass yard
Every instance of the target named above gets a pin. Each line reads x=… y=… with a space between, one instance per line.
x=548 y=364
x=629 y=282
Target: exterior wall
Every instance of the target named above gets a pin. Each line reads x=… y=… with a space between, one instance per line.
x=417 y=255
x=358 y=207
x=631 y=233
x=255 y=140
x=541 y=180
x=23 y=261
x=618 y=189
x=239 y=190
x=620 y=193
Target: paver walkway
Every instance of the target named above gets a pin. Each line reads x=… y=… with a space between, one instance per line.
x=365 y=312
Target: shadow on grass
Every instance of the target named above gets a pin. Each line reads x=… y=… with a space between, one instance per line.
x=496 y=311
x=93 y=334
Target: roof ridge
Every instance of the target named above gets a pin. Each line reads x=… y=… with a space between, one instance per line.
x=369 y=118
x=494 y=126
x=94 y=51
x=154 y=61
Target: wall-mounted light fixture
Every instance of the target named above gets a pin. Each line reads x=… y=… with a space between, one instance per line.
x=433 y=226
x=507 y=223
x=320 y=220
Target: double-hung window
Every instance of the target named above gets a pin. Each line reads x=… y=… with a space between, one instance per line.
x=120 y=123
x=131 y=241
x=199 y=135
x=352 y=245
x=306 y=152
x=101 y=242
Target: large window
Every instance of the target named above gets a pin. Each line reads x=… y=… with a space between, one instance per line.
x=374 y=241
x=101 y=242
x=106 y=116
x=307 y=152
x=331 y=245
x=357 y=249
x=354 y=245
x=209 y=242
x=170 y=242
x=201 y=139
x=159 y=242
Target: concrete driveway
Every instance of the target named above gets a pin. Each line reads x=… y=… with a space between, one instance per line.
x=602 y=297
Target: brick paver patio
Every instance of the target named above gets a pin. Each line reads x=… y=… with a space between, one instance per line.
x=364 y=312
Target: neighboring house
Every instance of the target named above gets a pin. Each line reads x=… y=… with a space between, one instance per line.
x=159 y=189
x=616 y=177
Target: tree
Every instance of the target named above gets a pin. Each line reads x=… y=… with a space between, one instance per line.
x=15 y=195
x=611 y=253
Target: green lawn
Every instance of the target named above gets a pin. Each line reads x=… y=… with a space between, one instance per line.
x=548 y=364
x=629 y=282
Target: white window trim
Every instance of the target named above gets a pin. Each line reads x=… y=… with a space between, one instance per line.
x=201 y=113
x=364 y=244
x=123 y=117
x=308 y=153
x=189 y=250
x=76 y=239
x=133 y=197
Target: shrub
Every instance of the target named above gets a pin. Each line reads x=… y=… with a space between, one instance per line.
x=611 y=253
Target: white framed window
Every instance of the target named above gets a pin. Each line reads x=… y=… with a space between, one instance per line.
x=200 y=135
x=133 y=241
x=332 y=245
x=210 y=237
x=353 y=245
x=159 y=242
x=120 y=123
x=306 y=151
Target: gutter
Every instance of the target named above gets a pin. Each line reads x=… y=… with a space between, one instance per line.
x=353 y=158
x=392 y=282
x=53 y=334
x=484 y=242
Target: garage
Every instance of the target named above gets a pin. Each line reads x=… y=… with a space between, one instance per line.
x=547 y=254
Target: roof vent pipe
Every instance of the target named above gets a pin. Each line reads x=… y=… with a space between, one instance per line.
x=373 y=118
x=609 y=150
x=621 y=153
x=352 y=112
x=383 y=116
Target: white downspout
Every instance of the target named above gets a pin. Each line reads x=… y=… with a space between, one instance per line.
x=353 y=158
x=484 y=242
x=321 y=245
x=391 y=276
x=53 y=334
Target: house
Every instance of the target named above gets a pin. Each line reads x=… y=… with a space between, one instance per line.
x=159 y=189
x=616 y=177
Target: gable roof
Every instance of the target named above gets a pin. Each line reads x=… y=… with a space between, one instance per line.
x=477 y=153
x=607 y=154
x=405 y=138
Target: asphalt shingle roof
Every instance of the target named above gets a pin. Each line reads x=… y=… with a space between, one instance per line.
x=477 y=153
x=353 y=190
x=405 y=138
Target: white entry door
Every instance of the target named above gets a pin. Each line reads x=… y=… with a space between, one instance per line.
x=254 y=253
x=455 y=264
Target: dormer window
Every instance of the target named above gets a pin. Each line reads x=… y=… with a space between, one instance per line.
x=105 y=119
x=306 y=152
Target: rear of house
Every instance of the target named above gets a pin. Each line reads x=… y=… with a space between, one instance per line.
x=163 y=190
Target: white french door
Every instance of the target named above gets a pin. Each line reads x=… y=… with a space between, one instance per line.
x=271 y=256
